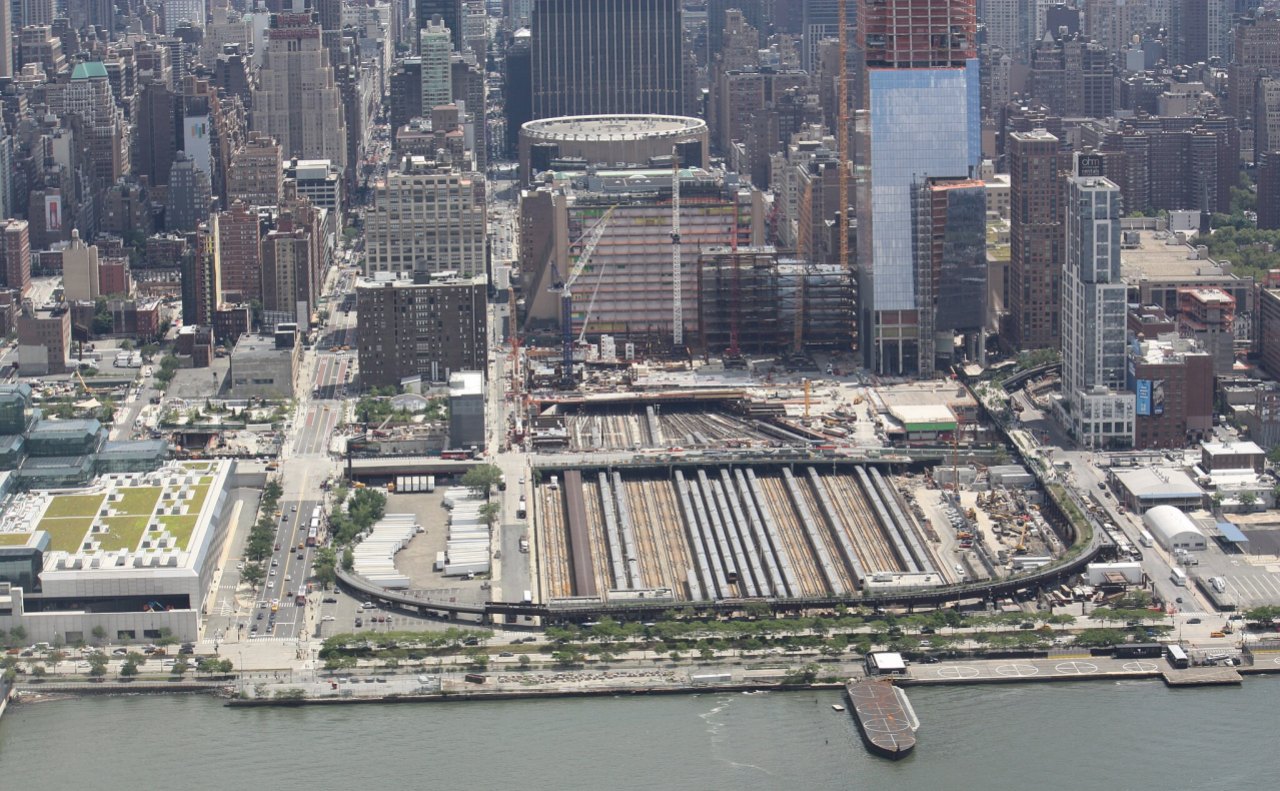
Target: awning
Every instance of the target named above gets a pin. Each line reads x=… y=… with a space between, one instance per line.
x=1232 y=533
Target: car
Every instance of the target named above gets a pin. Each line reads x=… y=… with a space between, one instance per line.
x=505 y=654
x=299 y=556
x=275 y=561
x=275 y=603
x=288 y=578
x=1193 y=620
x=1026 y=625
x=929 y=660
x=120 y=652
x=928 y=630
x=295 y=508
x=329 y=600
x=262 y=605
x=369 y=605
x=259 y=618
x=273 y=571
x=359 y=622
x=288 y=594
x=328 y=618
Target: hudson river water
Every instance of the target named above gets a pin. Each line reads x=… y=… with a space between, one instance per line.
x=1076 y=736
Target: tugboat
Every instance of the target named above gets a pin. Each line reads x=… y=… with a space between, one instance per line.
x=884 y=716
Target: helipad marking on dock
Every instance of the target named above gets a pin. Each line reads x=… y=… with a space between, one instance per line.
x=1017 y=670
x=1139 y=667
x=957 y=671
x=1075 y=668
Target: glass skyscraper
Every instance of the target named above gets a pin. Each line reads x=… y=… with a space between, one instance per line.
x=923 y=122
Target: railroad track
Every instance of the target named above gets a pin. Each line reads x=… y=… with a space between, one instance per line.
x=554 y=556
x=868 y=539
x=824 y=532
x=646 y=522
x=677 y=558
x=596 y=538
x=803 y=562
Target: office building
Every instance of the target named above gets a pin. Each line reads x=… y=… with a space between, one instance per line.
x=15 y=256
x=426 y=217
x=1266 y=115
x=435 y=50
x=429 y=329
x=1254 y=55
x=239 y=233
x=950 y=223
x=189 y=197
x=1269 y=190
x=37 y=12
x=596 y=57
x=80 y=270
x=1094 y=405
x=6 y=39
x=255 y=175
x=922 y=88
x=44 y=339
x=466 y=409
x=1036 y=238
x=156 y=132
x=448 y=12
x=201 y=280
x=288 y=261
x=317 y=180
x=178 y=12
x=297 y=101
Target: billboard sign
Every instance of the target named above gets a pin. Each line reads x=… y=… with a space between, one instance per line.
x=1143 y=390
x=53 y=212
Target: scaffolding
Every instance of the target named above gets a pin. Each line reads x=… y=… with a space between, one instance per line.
x=738 y=301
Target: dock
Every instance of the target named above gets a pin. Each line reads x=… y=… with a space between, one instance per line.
x=884 y=717
x=1202 y=677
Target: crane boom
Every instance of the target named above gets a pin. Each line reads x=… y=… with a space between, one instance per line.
x=566 y=295
x=677 y=299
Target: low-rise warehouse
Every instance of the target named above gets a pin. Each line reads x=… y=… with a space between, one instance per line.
x=1173 y=529
x=1142 y=488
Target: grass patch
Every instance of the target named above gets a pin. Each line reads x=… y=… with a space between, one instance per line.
x=75 y=505
x=181 y=528
x=65 y=535
x=197 y=499
x=138 y=500
x=13 y=539
x=126 y=532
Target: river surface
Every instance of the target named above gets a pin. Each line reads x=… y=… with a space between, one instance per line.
x=1080 y=736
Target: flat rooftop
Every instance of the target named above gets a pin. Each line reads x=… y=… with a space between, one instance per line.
x=1158 y=255
x=1152 y=482
x=117 y=516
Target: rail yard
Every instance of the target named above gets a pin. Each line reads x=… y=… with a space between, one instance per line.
x=699 y=533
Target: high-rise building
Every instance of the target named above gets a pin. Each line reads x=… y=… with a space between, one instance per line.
x=1269 y=190
x=1254 y=55
x=80 y=281
x=15 y=255
x=428 y=329
x=1096 y=408
x=287 y=263
x=201 y=280
x=1035 y=242
x=448 y=11
x=189 y=196
x=178 y=12
x=603 y=57
x=297 y=101
x=1266 y=114
x=426 y=217
x=950 y=222
x=38 y=12
x=44 y=340
x=239 y=239
x=156 y=130
x=437 y=75
x=922 y=98
x=517 y=94
x=6 y=39
x=256 y=174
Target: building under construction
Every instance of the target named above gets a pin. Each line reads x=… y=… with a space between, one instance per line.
x=625 y=290
x=751 y=299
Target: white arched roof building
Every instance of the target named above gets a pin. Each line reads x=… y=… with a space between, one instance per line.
x=1173 y=529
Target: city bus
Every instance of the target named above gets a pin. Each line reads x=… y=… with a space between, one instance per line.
x=313 y=534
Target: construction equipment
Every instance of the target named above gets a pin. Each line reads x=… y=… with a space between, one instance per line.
x=677 y=308
x=1021 y=548
x=590 y=240
x=85 y=385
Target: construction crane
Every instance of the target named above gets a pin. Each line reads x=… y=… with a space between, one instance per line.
x=590 y=240
x=677 y=308
x=87 y=389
